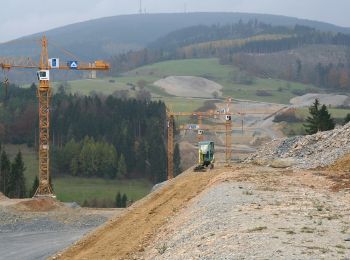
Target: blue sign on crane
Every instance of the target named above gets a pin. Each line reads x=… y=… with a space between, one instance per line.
x=72 y=64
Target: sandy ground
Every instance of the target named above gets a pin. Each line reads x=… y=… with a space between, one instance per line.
x=248 y=212
x=130 y=233
x=327 y=99
x=188 y=86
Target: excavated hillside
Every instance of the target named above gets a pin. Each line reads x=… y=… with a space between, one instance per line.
x=305 y=152
x=124 y=236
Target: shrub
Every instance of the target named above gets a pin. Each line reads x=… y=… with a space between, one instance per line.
x=263 y=93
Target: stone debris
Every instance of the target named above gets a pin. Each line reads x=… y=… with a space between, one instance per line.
x=306 y=152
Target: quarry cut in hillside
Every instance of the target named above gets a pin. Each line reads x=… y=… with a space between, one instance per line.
x=305 y=152
x=188 y=86
x=331 y=100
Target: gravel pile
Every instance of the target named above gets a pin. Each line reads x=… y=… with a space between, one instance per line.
x=306 y=152
x=244 y=221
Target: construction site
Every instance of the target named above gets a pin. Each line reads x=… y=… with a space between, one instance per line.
x=262 y=196
x=247 y=189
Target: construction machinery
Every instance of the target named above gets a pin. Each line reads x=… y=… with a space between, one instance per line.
x=44 y=93
x=209 y=114
x=205 y=156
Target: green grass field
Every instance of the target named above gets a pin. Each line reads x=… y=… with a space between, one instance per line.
x=279 y=91
x=177 y=104
x=68 y=189
x=335 y=112
x=291 y=129
x=78 y=189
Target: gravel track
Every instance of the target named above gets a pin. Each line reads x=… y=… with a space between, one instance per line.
x=259 y=214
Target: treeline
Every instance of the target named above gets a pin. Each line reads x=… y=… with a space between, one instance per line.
x=90 y=158
x=176 y=44
x=203 y=33
x=121 y=201
x=290 y=67
x=12 y=180
x=18 y=114
x=100 y=136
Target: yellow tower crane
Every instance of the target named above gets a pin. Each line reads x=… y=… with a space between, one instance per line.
x=44 y=95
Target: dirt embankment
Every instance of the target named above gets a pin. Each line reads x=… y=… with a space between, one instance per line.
x=276 y=212
x=260 y=213
x=130 y=233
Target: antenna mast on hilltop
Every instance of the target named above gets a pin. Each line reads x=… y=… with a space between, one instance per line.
x=140 y=10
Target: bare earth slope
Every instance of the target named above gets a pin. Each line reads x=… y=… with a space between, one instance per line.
x=249 y=212
x=327 y=99
x=130 y=233
x=188 y=86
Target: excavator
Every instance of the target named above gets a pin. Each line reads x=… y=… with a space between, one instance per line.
x=205 y=156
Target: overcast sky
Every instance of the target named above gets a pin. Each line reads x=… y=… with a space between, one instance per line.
x=24 y=17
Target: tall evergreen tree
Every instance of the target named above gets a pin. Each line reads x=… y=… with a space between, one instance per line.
x=177 y=160
x=17 y=187
x=124 y=201
x=5 y=173
x=346 y=119
x=118 y=200
x=34 y=187
x=319 y=119
x=122 y=170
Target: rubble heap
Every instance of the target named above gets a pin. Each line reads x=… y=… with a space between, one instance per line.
x=307 y=152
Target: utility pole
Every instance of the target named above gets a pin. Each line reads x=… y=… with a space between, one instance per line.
x=171 y=122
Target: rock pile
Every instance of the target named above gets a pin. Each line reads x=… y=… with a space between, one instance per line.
x=2 y=196
x=306 y=152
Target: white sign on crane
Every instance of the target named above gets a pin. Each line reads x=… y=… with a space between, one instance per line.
x=54 y=63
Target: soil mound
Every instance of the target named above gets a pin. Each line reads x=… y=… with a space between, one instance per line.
x=343 y=164
x=188 y=86
x=38 y=204
x=3 y=197
x=327 y=99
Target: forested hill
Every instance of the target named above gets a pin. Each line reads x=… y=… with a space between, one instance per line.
x=102 y=38
x=92 y=136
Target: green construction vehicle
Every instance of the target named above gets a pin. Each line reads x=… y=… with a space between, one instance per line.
x=205 y=155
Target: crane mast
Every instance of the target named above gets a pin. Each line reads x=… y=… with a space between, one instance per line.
x=44 y=96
